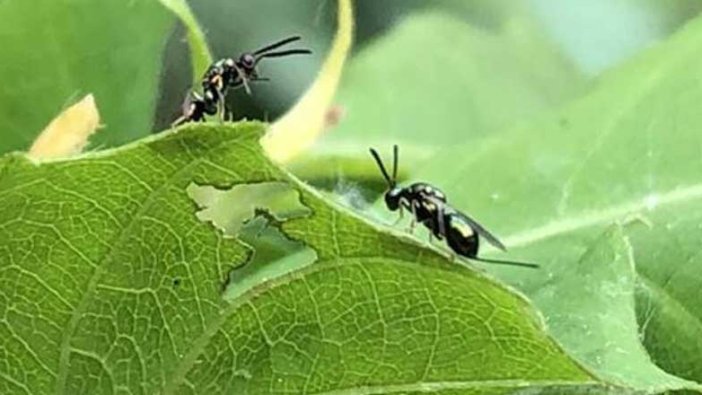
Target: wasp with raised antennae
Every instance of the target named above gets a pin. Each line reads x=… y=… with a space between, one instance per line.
x=229 y=73
x=430 y=208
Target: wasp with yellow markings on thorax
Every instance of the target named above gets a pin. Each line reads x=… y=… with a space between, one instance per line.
x=228 y=74
x=429 y=207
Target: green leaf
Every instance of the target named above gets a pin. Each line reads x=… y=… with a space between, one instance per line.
x=629 y=149
x=669 y=279
x=110 y=283
x=602 y=283
x=57 y=51
x=436 y=80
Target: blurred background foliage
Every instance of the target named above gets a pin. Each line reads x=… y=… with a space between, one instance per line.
x=424 y=74
x=552 y=36
x=491 y=63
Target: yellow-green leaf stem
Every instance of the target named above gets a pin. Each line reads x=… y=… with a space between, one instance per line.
x=200 y=54
x=304 y=123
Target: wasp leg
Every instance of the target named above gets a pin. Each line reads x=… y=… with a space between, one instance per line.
x=430 y=233
x=244 y=80
x=220 y=105
x=222 y=111
x=188 y=108
x=400 y=217
x=228 y=115
x=181 y=120
x=413 y=222
x=441 y=223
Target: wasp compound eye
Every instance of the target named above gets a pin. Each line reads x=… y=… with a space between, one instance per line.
x=248 y=61
x=392 y=198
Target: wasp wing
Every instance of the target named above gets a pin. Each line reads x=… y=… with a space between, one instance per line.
x=492 y=239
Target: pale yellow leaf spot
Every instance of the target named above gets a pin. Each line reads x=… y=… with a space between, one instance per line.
x=68 y=133
x=304 y=123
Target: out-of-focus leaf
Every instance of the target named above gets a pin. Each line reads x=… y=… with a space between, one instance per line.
x=623 y=28
x=305 y=122
x=55 y=51
x=592 y=309
x=68 y=133
x=630 y=148
x=436 y=80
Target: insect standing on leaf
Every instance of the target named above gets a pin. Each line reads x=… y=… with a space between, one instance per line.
x=228 y=74
x=429 y=207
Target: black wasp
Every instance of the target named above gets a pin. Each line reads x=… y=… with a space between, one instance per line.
x=430 y=208
x=228 y=74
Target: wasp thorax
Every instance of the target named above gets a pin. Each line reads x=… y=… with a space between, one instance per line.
x=392 y=198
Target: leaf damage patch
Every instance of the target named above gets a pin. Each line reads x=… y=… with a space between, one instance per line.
x=253 y=214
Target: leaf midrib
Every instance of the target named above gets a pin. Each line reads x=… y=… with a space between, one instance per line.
x=433 y=387
x=591 y=218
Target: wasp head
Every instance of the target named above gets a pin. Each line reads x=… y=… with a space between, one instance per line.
x=247 y=63
x=392 y=198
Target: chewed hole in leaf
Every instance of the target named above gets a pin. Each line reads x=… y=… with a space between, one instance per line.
x=231 y=209
x=253 y=214
x=273 y=255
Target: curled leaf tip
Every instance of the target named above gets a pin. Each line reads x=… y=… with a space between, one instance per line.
x=299 y=128
x=68 y=133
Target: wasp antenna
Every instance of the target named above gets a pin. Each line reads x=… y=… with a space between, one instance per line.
x=510 y=263
x=379 y=161
x=284 y=53
x=395 y=160
x=278 y=44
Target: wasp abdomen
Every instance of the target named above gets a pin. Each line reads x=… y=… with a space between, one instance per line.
x=460 y=235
